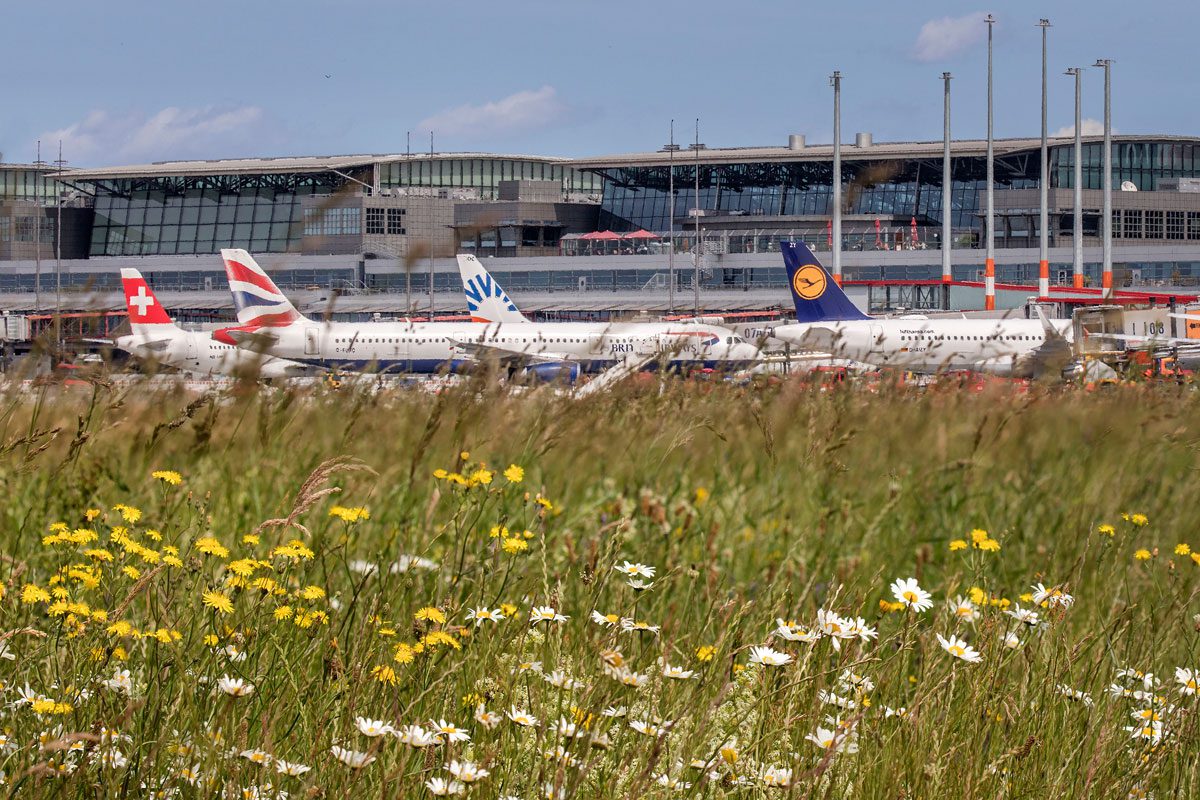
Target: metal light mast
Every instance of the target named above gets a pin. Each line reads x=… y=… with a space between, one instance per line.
x=1106 y=279
x=989 y=290
x=1044 y=181
x=1077 y=184
x=947 y=230
x=835 y=80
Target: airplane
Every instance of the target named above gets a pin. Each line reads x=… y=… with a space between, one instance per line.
x=156 y=338
x=827 y=321
x=268 y=321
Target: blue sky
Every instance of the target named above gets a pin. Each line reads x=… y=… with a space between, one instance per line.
x=126 y=82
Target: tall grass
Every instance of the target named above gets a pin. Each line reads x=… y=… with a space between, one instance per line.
x=752 y=504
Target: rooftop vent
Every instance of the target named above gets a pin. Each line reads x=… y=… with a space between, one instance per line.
x=862 y=140
x=796 y=141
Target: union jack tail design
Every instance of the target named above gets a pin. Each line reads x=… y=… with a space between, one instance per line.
x=146 y=313
x=258 y=300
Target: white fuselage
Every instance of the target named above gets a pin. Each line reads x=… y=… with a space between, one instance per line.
x=1017 y=347
x=405 y=346
x=196 y=353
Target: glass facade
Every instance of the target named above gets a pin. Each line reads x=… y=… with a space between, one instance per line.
x=262 y=212
x=202 y=215
x=636 y=197
x=1141 y=163
x=26 y=183
x=483 y=174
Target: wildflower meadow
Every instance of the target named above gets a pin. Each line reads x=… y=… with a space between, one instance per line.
x=672 y=590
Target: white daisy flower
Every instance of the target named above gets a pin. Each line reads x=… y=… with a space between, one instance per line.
x=449 y=732
x=484 y=614
x=1026 y=616
x=959 y=649
x=351 y=758
x=488 y=719
x=545 y=614
x=963 y=609
x=444 y=788
x=908 y=592
x=839 y=741
x=1051 y=597
x=235 y=687
x=631 y=570
x=416 y=736
x=373 y=727
x=1188 y=680
x=769 y=657
x=522 y=717
x=467 y=771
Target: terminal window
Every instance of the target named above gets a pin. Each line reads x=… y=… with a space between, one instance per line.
x=395 y=221
x=374 y=221
x=1174 y=224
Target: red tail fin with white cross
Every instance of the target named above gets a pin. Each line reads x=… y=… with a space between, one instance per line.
x=146 y=314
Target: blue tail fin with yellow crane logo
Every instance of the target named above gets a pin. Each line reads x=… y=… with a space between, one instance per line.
x=817 y=296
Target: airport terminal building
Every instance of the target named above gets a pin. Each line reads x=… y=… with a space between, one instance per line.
x=579 y=235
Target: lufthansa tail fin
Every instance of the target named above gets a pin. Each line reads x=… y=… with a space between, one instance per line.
x=485 y=299
x=146 y=314
x=258 y=300
x=817 y=296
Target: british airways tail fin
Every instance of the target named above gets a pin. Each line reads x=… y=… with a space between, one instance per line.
x=486 y=301
x=256 y=297
x=146 y=314
x=817 y=297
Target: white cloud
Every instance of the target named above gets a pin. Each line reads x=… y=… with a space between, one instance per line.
x=172 y=133
x=1088 y=126
x=521 y=111
x=946 y=37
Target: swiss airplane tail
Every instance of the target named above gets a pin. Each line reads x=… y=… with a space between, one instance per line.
x=485 y=299
x=146 y=314
x=817 y=296
x=258 y=300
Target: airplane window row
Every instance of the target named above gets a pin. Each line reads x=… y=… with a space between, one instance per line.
x=943 y=337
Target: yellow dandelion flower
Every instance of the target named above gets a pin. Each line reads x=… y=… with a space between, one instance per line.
x=513 y=546
x=440 y=474
x=480 y=477
x=705 y=653
x=403 y=653
x=250 y=538
x=978 y=536
x=91 y=514
x=1183 y=550
x=958 y=544
x=514 y=474
x=218 y=601
x=1106 y=529
x=1137 y=520
x=1142 y=555
x=243 y=567
x=989 y=546
x=211 y=546
x=977 y=595
x=435 y=638
x=128 y=513
x=430 y=614
x=508 y=609
x=465 y=455
x=282 y=613
x=498 y=531
x=294 y=549
x=173 y=561
x=31 y=593
x=169 y=476
x=131 y=572
x=350 y=515
x=385 y=674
